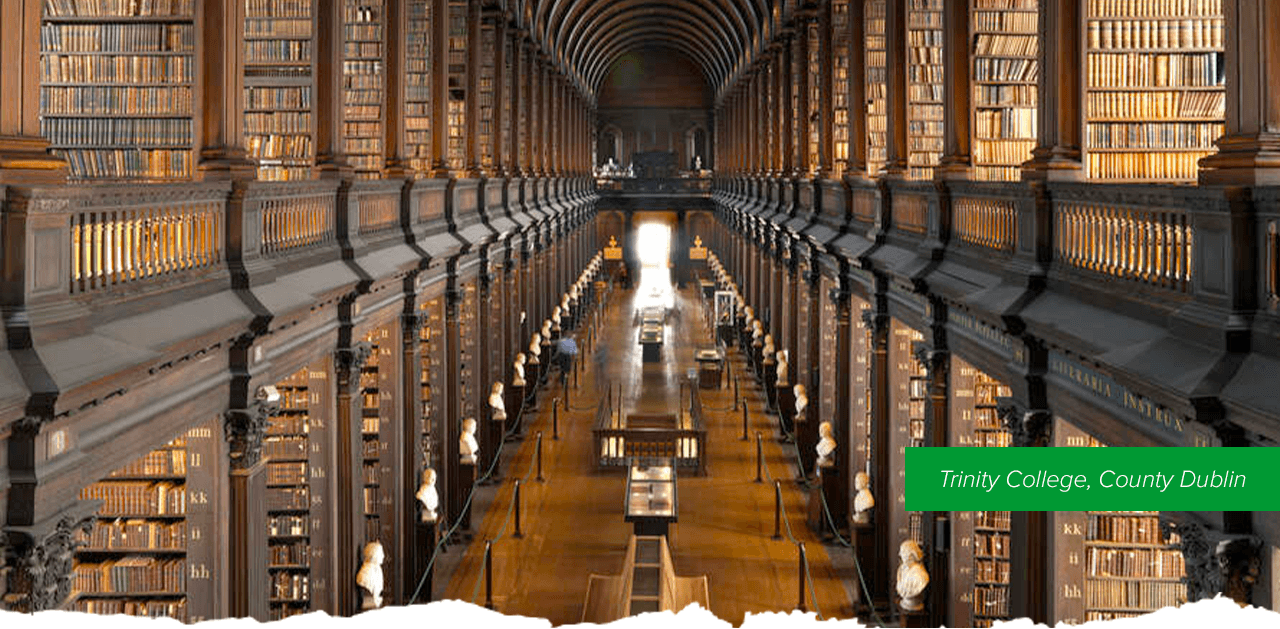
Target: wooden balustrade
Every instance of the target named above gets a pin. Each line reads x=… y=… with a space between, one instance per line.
x=296 y=221
x=985 y=222
x=379 y=212
x=1149 y=246
x=117 y=243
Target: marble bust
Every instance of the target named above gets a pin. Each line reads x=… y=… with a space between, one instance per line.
x=826 y=445
x=783 y=379
x=912 y=576
x=468 y=448
x=369 y=578
x=497 y=407
x=770 y=354
x=802 y=399
x=863 y=501
x=518 y=366
x=428 y=497
x=535 y=348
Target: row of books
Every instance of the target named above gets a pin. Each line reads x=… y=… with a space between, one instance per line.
x=289 y=424
x=126 y=38
x=1140 y=595
x=1131 y=69
x=133 y=607
x=278 y=8
x=271 y=27
x=991 y=545
x=137 y=498
x=1012 y=122
x=1155 y=105
x=1006 y=70
x=362 y=13
x=132 y=575
x=991 y=601
x=362 y=49
x=70 y=68
x=1154 y=8
x=294 y=398
x=289 y=554
x=119 y=8
x=288 y=498
x=277 y=50
x=1186 y=33
x=991 y=570
x=371 y=33
x=279 y=447
x=1004 y=96
x=1155 y=135
x=134 y=535
x=170 y=461
x=1135 y=562
x=92 y=133
x=1003 y=21
x=116 y=101
x=1181 y=165
x=287 y=525
x=992 y=519
x=988 y=418
x=279 y=147
x=291 y=586
x=1136 y=529
x=1006 y=45
x=290 y=473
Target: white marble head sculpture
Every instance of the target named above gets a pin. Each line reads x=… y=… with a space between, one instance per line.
x=912 y=576
x=802 y=398
x=468 y=447
x=546 y=329
x=783 y=375
x=428 y=496
x=826 y=445
x=863 y=501
x=535 y=348
x=369 y=578
x=497 y=406
x=518 y=366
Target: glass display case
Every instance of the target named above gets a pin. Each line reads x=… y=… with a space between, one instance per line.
x=651 y=498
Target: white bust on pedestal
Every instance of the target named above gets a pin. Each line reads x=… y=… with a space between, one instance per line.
x=826 y=446
x=802 y=399
x=770 y=354
x=497 y=406
x=428 y=497
x=369 y=578
x=863 y=501
x=468 y=447
x=912 y=576
x=517 y=380
x=783 y=380
x=535 y=349
x=546 y=329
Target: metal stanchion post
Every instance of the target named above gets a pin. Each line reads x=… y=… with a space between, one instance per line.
x=744 y=423
x=802 y=607
x=516 y=498
x=488 y=574
x=759 y=457
x=555 y=420
x=538 y=456
x=777 y=510
x=736 y=401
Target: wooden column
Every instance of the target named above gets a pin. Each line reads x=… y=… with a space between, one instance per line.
x=24 y=153
x=881 y=568
x=842 y=417
x=957 y=156
x=519 y=100
x=1060 y=123
x=440 y=89
x=496 y=20
x=895 y=41
x=329 y=106
x=219 y=112
x=825 y=168
x=856 y=165
x=393 y=142
x=475 y=54
x=1249 y=153
x=803 y=119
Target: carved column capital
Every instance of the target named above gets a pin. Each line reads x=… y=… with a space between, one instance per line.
x=350 y=360
x=933 y=360
x=874 y=321
x=41 y=574
x=246 y=428
x=412 y=323
x=1028 y=428
x=1216 y=562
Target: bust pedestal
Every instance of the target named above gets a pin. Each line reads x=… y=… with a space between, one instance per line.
x=424 y=546
x=466 y=477
x=532 y=373
x=367 y=602
x=495 y=428
x=515 y=404
x=913 y=619
x=864 y=550
x=770 y=376
x=825 y=489
x=546 y=362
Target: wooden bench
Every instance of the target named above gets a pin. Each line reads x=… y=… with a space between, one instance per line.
x=647 y=583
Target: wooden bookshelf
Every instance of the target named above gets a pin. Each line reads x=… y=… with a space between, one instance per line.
x=877 y=88
x=1155 y=94
x=1005 y=84
x=813 y=63
x=485 y=84
x=134 y=559
x=906 y=426
x=287 y=451
x=417 y=84
x=840 y=55
x=924 y=87
x=364 y=85
x=456 y=149
x=116 y=96
x=470 y=390
x=431 y=376
x=278 y=116
x=377 y=387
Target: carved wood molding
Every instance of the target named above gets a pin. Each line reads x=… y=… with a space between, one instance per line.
x=41 y=576
x=1216 y=562
x=1028 y=428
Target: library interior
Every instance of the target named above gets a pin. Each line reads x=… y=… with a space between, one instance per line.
x=382 y=302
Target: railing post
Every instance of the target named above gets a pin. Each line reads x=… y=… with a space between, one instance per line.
x=745 y=437
x=538 y=457
x=777 y=510
x=736 y=401
x=802 y=607
x=516 y=499
x=488 y=575
x=759 y=457
x=555 y=419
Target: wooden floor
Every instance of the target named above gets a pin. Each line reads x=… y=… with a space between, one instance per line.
x=573 y=524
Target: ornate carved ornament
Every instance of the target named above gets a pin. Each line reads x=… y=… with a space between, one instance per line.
x=875 y=322
x=42 y=572
x=1217 y=563
x=933 y=360
x=246 y=428
x=1027 y=428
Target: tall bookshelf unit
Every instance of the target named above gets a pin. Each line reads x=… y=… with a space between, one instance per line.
x=508 y=84
x=469 y=389
x=877 y=88
x=116 y=96
x=1155 y=89
x=377 y=403
x=278 y=115
x=456 y=150
x=840 y=55
x=364 y=85
x=906 y=429
x=485 y=92
x=133 y=561
x=813 y=65
x=924 y=87
x=431 y=376
x=1005 y=83
x=417 y=84
x=287 y=448
x=917 y=405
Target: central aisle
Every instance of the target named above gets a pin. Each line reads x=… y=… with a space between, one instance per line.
x=573 y=523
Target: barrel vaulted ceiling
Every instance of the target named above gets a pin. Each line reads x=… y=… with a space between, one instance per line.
x=585 y=37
